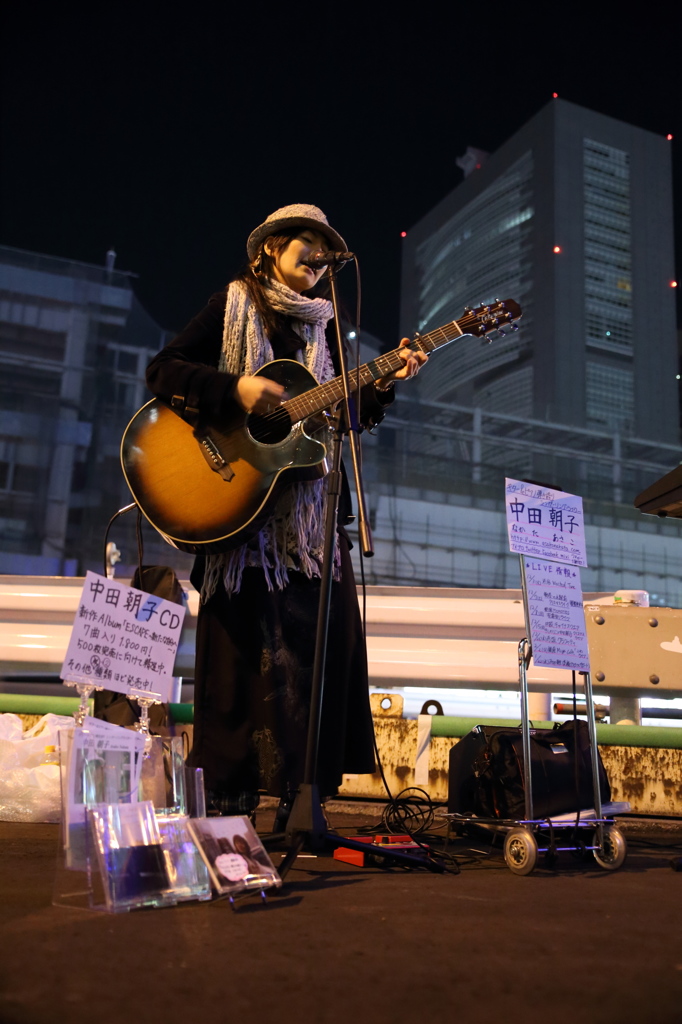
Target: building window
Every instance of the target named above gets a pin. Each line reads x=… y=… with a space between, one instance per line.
x=123 y=360
x=608 y=266
x=511 y=394
x=480 y=254
x=27 y=479
x=33 y=391
x=610 y=395
x=33 y=342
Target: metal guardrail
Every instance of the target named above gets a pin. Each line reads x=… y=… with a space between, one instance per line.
x=416 y=636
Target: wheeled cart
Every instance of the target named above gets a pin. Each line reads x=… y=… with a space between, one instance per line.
x=530 y=842
x=588 y=832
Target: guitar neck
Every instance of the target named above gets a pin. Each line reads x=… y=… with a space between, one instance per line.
x=327 y=394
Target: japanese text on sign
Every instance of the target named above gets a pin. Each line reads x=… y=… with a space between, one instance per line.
x=557 y=621
x=545 y=523
x=123 y=639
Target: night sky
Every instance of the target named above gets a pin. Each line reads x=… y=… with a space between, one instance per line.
x=169 y=136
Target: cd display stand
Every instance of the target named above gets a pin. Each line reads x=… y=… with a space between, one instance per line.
x=125 y=840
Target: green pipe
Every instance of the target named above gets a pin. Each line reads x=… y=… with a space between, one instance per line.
x=441 y=725
x=607 y=735
x=32 y=704
x=182 y=713
x=640 y=736
x=451 y=725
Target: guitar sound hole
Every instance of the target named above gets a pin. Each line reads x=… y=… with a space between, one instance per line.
x=271 y=428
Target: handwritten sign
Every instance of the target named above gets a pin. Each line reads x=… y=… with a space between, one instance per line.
x=545 y=523
x=557 y=621
x=123 y=639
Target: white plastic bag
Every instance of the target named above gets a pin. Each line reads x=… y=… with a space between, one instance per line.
x=29 y=789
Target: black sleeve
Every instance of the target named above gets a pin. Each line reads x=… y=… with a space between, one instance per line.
x=184 y=374
x=373 y=405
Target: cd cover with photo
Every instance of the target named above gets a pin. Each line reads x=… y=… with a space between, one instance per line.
x=234 y=855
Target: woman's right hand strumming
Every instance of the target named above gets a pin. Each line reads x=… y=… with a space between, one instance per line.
x=258 y=394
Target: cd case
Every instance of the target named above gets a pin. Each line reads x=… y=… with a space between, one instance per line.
x=234 y=855
x=130 y=854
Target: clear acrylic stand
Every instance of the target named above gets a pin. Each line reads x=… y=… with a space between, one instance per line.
x=143 y=725
x=98 y=811
x=195 y=795
x=187 y=874
x=162 y=779
x=84 y=691
x=87 y=777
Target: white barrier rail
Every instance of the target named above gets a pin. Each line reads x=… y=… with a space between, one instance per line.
x=416 y=636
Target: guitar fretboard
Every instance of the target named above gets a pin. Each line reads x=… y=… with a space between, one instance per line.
x=327 y=394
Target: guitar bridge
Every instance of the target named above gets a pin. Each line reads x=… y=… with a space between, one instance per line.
x=211 y=452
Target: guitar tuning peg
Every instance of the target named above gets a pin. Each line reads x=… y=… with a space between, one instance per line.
x=468 y=309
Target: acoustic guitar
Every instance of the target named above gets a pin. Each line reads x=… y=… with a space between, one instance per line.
x=209 y=488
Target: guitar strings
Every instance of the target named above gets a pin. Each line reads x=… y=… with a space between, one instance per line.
x=306 y=403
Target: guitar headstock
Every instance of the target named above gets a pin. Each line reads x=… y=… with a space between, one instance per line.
x=485 y=319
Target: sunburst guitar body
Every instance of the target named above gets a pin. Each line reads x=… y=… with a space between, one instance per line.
x=207 y=489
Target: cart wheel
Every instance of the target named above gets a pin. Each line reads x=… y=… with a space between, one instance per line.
x=520 y=851
x=615 y=849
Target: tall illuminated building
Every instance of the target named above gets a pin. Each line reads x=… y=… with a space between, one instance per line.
x=572 y=217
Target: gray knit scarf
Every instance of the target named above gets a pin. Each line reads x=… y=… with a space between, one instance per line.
x=293 y=537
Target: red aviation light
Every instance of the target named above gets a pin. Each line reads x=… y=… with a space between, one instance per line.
x=673 y=284
x=555 y=95
x=669 y=137
x=403 y=234
x=557 y=248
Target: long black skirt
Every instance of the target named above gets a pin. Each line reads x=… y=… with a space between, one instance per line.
x=253 y=678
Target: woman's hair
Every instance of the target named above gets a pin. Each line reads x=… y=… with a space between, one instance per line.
x=240 y=841
x=253 y=274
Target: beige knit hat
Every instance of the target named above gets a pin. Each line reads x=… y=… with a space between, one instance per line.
x=298 y=215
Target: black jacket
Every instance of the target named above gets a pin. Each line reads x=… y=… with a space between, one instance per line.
x=184 y=375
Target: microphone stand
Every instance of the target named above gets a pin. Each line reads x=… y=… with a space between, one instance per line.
x=307 y=826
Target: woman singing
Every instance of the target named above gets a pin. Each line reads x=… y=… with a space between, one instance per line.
x=258 y=611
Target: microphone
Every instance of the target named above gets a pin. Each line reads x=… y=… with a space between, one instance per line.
x=319 y=259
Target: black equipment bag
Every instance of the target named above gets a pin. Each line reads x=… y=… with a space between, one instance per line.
x=486 y=772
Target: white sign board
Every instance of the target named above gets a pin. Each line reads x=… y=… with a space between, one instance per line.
x=123 y=639
x=545 y=523
x=557 y=621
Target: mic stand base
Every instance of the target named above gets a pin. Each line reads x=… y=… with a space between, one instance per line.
x=307 y=830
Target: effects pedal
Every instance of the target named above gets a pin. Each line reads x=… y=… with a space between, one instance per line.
x=363 y=859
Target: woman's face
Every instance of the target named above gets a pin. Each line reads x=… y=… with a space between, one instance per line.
x=288 y=266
